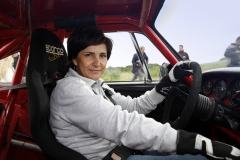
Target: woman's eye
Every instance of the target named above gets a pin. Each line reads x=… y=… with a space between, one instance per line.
x=88 y=54
x=103 y=55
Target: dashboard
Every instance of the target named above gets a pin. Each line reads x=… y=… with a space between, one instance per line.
x=223 y=84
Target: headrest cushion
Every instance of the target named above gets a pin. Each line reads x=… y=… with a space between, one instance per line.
x=47 y=54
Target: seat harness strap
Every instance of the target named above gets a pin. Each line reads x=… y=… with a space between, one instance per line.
x=107 y=93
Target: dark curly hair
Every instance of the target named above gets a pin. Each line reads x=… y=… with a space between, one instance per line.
x=83 y=37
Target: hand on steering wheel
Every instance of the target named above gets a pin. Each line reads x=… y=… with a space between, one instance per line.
x=179 y=70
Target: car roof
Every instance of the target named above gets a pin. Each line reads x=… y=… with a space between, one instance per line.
x=19 y=17
x=45 y=11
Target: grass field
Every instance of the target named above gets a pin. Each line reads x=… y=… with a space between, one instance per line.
x=219 y=64
x=125 y=74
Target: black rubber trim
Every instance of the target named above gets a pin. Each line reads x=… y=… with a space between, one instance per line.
x=74 y=22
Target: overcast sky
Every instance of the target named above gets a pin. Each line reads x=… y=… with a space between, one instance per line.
x=204 y=27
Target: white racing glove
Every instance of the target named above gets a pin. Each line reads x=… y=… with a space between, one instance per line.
x=193 y=143
x=179 y=70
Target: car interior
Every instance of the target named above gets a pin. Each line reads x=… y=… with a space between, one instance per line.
x=206 y=103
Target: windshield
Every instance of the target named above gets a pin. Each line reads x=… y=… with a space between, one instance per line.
x=205 y=31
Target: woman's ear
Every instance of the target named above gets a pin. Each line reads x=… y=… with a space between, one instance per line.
x=74 y=61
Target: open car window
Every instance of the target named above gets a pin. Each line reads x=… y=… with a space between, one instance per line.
x=156 y=59
x=120 y=66
x=204 y=28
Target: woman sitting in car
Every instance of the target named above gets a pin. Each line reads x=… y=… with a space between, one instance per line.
x=84 y=118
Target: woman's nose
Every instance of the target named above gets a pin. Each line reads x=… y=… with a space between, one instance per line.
x=96 y=61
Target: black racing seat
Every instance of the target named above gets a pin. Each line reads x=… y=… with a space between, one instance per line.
x=47 y=61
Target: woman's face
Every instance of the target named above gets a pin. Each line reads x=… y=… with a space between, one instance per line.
x=91 y=62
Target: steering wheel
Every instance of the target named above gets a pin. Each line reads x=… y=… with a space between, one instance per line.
x=191 y=101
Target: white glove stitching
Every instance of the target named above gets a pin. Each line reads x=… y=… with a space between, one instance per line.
x=198 y=144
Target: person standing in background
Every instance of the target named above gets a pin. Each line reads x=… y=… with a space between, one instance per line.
x=183 y=54
x=233 y=52
x=137 y=69
x=163 y=70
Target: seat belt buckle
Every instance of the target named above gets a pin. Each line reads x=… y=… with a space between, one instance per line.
x=115 y=157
